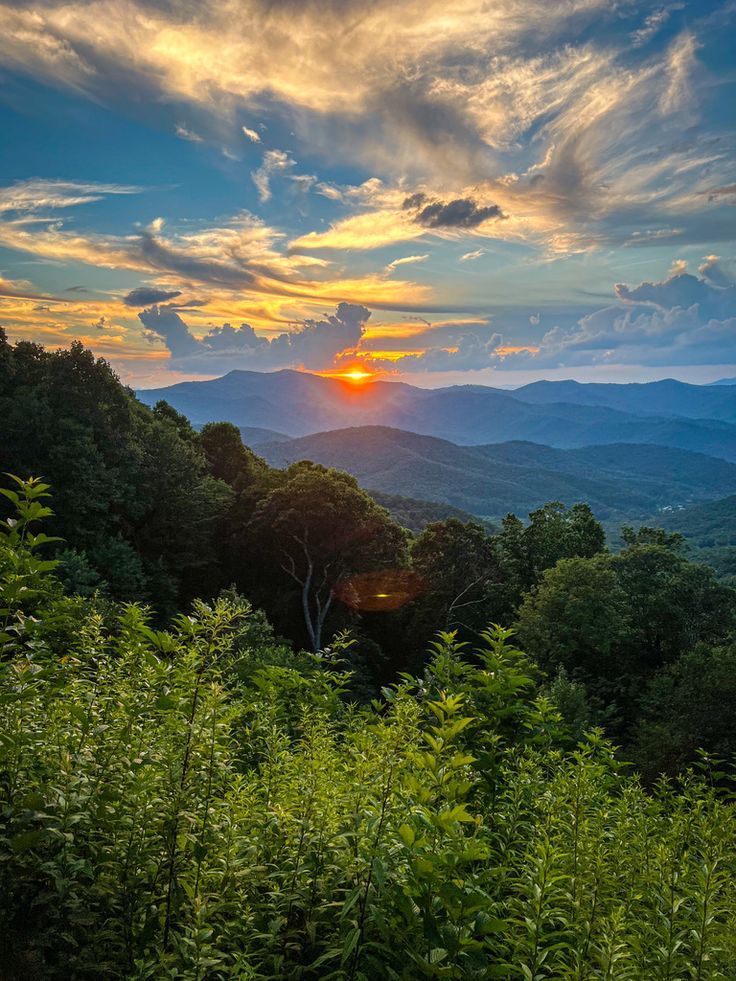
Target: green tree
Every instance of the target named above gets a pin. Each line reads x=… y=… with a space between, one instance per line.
x=672 y=603
x=228 y=458
x=554 y=532
x=459 y=576
x=132 y=491
x=576 y=618
x=323 y=530
x=688 y=705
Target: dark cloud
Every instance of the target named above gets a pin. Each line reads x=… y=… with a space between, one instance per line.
x=458 y=213
x=727 y=191
x=146 y=296
x=313 y=344
x=683 y=290
x=160 y=255
x=414 y=201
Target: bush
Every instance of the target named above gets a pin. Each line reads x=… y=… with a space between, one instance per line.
x=191 y=804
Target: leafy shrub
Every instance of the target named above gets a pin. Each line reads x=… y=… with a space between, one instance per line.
x=190 y=804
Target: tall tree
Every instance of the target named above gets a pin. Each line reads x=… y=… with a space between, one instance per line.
x=458 y=568
x=323 y=530
x=132 y=493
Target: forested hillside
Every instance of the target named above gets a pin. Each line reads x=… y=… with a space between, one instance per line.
x=617 y=481
x=709 y=530
x=251 y=725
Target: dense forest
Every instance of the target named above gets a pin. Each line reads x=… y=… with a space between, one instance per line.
x=251 y=726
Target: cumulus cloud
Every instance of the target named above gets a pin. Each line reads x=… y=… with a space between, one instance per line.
x=146 y=296
x=680 y=320
x=683 y=290
x=252 y=135
x=313 y=344
x=457 y=213
x=713 y=269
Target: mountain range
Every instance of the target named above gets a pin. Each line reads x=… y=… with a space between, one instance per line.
x=617 y=480
x=564 y=414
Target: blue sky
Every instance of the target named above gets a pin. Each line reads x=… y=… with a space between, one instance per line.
x=439 y=191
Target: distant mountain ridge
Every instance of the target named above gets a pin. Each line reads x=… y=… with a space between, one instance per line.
x=559 y=414
x=489 y=480
x=661 y=398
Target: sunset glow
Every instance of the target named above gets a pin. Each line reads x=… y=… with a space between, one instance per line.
x=466 y=192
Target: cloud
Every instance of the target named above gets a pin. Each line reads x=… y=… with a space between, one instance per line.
x=728 y=191
x=682 y=320
x=684 y=291
x=167 y=326
x=313 y=344
x=458 y=213
x=713 y=270
x=187 y=134
x=405 y=260
x=252 y=135
x=36 y=194
x=146 y=296
x=472 y=256
x=680 y=65
x=653 y=23
x=274 y=162
x=23 y=290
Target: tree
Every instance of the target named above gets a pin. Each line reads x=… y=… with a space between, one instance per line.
x=459 y=575
x=672 y=603
x=323 y=530
x=576 y=618
x=644 y=535
x=688 y=705
x=228 y=458
x=132 y=492
x=554 y=532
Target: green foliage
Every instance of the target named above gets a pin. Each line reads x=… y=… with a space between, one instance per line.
x=132 y=494
x=687 y=706
x=613 y=621
x=195 y=803
x=321 y=529
x=554 y=532
x=458 y=567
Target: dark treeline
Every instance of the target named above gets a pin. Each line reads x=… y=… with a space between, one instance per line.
x=152 y=511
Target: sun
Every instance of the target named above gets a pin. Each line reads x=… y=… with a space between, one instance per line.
x=356 y=375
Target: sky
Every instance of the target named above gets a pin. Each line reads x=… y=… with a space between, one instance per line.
x=442 y=192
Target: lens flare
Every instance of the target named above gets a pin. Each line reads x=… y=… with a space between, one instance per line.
x=381 y=591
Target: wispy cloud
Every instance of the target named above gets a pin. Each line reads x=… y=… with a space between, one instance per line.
x=405 y=261
x=274 y=162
